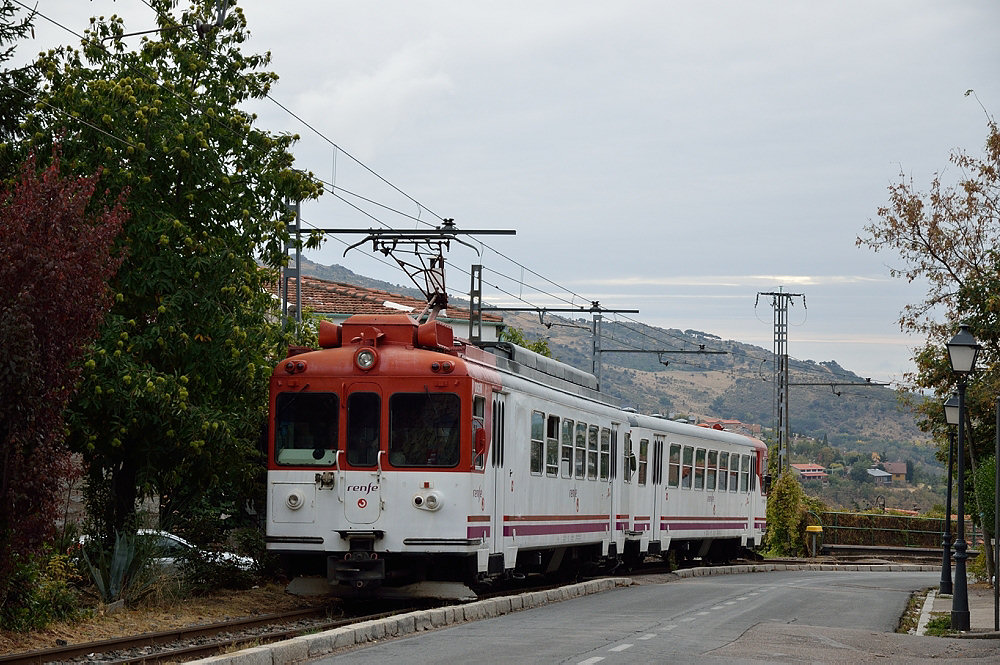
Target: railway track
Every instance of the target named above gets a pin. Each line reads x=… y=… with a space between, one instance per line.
x=193 y=642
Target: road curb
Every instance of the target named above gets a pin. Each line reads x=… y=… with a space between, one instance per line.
x=321 y=644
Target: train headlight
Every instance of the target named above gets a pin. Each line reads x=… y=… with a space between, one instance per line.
x=427 y=501
x=295 y=500
x=365 y=359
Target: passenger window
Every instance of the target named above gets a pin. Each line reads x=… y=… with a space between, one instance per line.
x=643 y=459
x=537 y=441
x=306 y=429
x=605 y=453
x=580 y=459
x=734 y=472
x=592 y=435
x=745 y=477
x=674 y=466
x=363 y=415
x=699 y=469
x=723 y=471
x=687 y=469
x=627 y=458
x=552 y=447
x=710 y=473
x=567 y=448
x=478 y=423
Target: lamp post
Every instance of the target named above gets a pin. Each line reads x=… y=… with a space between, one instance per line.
x=950 y=415
x=962 y=351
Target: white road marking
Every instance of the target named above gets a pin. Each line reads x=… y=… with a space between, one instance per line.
x=670 y=626
x=717 y=607
x=647 y=636
x=687 y=619
x=591 y=661
x=703 y=614
x=621 y=647
x=729 y=602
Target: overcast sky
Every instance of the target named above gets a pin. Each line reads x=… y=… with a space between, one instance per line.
x=671 y=157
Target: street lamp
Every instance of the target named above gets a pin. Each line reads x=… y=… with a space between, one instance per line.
x=962 y=351
x=951 y=416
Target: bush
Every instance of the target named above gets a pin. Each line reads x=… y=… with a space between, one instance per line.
x=40 y=592
x=786 y=513
x=203 y=573
x=125 y=572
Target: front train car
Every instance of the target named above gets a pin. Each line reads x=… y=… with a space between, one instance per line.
x=377 y=445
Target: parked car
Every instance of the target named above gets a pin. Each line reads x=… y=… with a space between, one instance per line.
x=168 y=548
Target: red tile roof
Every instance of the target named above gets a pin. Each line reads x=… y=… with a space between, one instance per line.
x=335 y=298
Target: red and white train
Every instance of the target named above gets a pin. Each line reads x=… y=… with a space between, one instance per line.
x=404 y=461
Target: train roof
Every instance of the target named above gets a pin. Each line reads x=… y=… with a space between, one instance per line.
x=547 y=371
x=657 y=423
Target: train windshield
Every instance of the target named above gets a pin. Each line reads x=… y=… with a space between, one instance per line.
x=305 y=429
x=364 y=411
x=424 y=429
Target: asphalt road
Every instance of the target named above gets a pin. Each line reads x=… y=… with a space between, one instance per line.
x=827 y=617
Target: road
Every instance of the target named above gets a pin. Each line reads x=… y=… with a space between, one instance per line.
x=766 y=617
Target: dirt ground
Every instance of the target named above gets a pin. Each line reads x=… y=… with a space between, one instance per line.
x=151 y=616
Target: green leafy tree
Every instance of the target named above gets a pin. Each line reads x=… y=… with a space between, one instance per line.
x=517 y=336
x=17 y=86
x=174 y=393
x=55 y=263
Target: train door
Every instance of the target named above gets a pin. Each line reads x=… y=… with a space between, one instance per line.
x=365 y=456
x=625 y=505
x=497 y=472
x=658 y=484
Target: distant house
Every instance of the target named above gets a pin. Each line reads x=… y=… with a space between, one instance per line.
x=898 y=471
x=811 y=472
x=336 y=302
x=732 y=425
x=881 y=477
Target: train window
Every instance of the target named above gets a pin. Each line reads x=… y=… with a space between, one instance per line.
x=552 y=447
x=537 y=441
x=674 y=466
x=687 y=467
x=723 y=471
x=627 y=458
x=424 y=429
x=745 y=476
x=734 y=472
x=364 y=412
x=711 y=470
x=592 y=435
x=657 y=459
x=580 y=459
x=614 y=450
x=753 y=474
x=605 y=453
x=478 y=423
x=567 y=448
x=306 y=429
x=699 y=469
x=643 y=460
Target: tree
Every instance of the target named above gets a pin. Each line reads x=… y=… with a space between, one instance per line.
x=175 y=389
x=948 y=237
x=517 y=336
x=55 y=263
x=17 y=87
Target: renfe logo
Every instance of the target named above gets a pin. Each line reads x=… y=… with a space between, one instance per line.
x=367 y=489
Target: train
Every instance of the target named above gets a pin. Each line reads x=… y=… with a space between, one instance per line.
x=404 y=461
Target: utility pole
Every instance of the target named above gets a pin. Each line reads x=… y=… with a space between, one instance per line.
x=288 y=272
x=780 y=302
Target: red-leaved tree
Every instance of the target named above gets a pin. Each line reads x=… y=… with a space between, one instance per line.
x=56 y=257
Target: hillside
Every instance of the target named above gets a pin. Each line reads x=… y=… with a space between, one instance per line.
x=737 y=384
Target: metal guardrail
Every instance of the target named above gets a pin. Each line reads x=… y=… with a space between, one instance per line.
x=884 y=529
